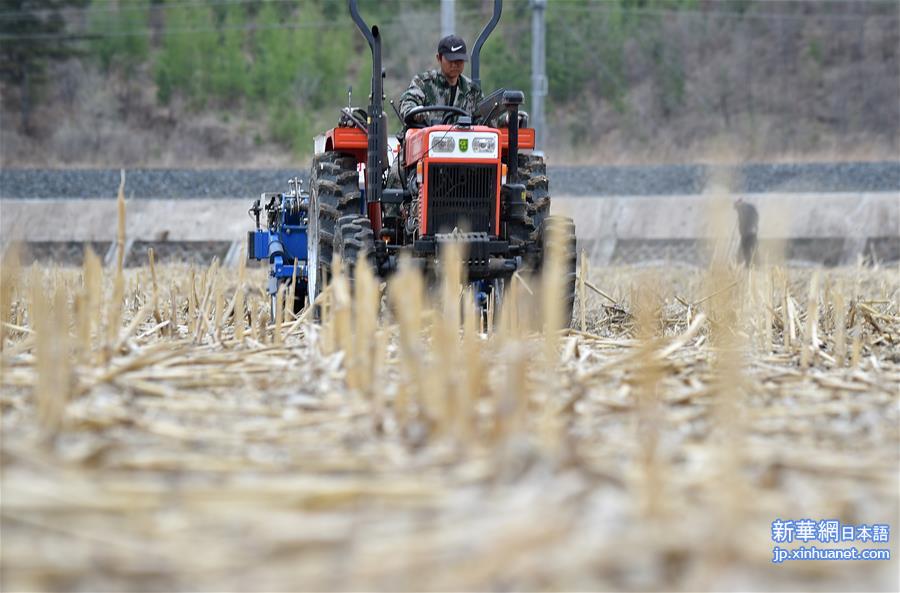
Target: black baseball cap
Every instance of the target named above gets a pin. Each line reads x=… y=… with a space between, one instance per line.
x=453 y=48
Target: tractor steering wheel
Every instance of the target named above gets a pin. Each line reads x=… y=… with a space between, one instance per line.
x=411 y=122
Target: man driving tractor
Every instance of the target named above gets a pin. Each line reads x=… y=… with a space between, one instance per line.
x=443 y=86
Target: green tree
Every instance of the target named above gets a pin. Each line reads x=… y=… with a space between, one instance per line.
x=271 y=57
x=190 y=43
x=118 y=32
x=32 y=34
x=174 y=65
x=229 y=68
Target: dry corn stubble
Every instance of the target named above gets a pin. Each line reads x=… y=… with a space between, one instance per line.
x=671 y=411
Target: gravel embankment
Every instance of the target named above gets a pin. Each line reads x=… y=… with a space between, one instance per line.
x=574 y=181
x=751 y=178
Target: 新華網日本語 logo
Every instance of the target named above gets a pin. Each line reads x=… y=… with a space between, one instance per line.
x=828 y=531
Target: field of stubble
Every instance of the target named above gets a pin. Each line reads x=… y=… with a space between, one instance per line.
x=169 y=444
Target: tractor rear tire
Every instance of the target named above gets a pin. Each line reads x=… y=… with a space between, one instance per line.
x=354 y=242
x=533 y=175
x=334 y=192
x=561 y=230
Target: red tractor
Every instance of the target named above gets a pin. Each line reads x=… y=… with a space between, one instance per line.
x=457 y=178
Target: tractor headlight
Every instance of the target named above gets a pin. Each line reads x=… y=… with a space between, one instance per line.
x=443 y=144
x=484 y=144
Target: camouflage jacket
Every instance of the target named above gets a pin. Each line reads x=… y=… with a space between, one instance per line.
x=431 y=88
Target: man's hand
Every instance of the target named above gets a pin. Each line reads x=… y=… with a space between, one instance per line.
x=417 y=118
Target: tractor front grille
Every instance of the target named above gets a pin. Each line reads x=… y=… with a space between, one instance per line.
x=462 y=196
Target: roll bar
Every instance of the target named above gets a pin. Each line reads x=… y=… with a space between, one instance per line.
x=485 y=33
x=361 y=24
x=376 y=160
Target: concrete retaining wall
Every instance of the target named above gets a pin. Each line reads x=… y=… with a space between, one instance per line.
x=829 y=228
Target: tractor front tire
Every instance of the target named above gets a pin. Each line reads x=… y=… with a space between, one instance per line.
x=354 y=242
x=533 y=175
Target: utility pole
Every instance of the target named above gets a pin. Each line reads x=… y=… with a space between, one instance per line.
x=448 y=17
x=538 y=71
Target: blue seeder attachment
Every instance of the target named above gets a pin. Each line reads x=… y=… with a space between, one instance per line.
x=283 y=240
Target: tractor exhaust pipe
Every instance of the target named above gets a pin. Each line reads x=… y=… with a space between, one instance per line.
x=377 y=130
x=512 y=194
x=485 y=33
x=512 y=100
